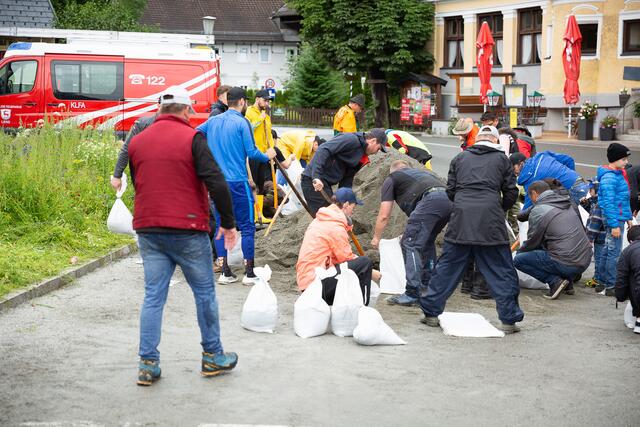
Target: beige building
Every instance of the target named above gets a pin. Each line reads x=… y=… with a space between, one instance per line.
x=528 y=35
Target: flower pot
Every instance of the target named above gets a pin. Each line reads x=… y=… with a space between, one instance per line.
x=607 y=134
x=636 y=123
x=585 y=129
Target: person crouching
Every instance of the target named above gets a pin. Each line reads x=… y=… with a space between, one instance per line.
x=326 y=244
x=557 y=249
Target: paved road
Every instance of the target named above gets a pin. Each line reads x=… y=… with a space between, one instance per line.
x=69 y=358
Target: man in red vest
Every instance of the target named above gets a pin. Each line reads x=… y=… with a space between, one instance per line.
x=174 y=170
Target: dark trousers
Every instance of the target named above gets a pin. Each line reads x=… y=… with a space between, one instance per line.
x=314 y=198
x=362 y=266
x=495 y=264
x=428 y=219
x=540 y=265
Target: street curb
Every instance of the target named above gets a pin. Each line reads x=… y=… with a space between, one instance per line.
x=57 y=282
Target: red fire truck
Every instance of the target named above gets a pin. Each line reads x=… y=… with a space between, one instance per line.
x=105 y=85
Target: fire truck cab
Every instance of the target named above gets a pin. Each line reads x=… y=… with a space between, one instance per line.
x=105 y=85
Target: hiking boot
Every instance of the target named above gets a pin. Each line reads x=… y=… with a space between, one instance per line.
x=591 y=283
x=555 y=289
x=569 y=289
x=403 y=299
x=216 y=364
x=249 y=278
x=599 y=288
x=480 y=290
x=610 y=292
x=509 y=328
x=577 y=278
x=430 y=321
x=466 y=287
x=148 y=372
x=637 y=327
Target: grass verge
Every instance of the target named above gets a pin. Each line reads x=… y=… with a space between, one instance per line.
x=54 y=200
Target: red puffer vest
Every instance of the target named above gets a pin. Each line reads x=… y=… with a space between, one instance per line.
x=169 y=194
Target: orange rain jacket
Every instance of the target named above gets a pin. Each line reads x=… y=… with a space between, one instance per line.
x=325 y=244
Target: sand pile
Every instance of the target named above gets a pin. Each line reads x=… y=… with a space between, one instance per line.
x=280 y=248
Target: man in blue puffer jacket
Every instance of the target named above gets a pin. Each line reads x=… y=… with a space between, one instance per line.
x=549 y=165
x=613 y=198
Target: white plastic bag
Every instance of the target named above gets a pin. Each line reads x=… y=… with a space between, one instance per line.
x=120 y=219
x=629 y=319
x=584 y=215
x=372 y=330
x=346 y=303
x=234 y=256
x=260 y=309
x=311 y=314
x=393 y=279
x=294 y=172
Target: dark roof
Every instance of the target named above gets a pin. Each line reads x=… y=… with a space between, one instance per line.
x=425 y=78
x=236 y=20
x=29 y=13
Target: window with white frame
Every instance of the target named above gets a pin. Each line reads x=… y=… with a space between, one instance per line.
x=265 y=55
x=631 y=37
x=243 y=54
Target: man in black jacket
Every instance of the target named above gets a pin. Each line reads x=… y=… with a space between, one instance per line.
x=557 y=249
x=482 y=187
x=220 y=106
x=421 y=196
x=628 y=277
x=336 y=162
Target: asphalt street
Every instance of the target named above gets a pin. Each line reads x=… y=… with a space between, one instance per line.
x=69 y=358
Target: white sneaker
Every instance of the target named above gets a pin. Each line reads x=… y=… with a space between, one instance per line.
x=225 y=280
x=249 y=281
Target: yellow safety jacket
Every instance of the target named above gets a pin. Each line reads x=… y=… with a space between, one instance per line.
x=261 y=128
x=345 y=120
x=408 y=144
x=297 y=142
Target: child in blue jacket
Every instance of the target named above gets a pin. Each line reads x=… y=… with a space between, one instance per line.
x=613 y=198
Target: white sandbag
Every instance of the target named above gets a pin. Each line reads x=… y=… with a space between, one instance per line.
x=372 y=330
x=346 y=303
x=260 y=309
x=293 y=205
x=393 y=279
x=523 y=228
x=468 y=325
x=629 y=318
x=529 y=282
x=584 y=215
x=234 y=256
x=374 y=294
x=120 y=219
x=311 y=314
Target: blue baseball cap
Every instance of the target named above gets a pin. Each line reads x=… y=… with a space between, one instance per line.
x=345 y=194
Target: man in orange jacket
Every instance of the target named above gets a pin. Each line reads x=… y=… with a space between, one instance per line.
x=345 y=118
x=326 y=244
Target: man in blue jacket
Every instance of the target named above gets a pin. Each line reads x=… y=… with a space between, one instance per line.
x=230 y=139
x=336 y=162
x=549 y=165
x=613 y=198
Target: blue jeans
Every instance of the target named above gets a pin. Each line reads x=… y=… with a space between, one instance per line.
x=541 y=266
x=428 y=219
x=161 y=252
x=578 y=191
x=598 y=251
x=610 y=253
x=495 y=264
x=242 y=198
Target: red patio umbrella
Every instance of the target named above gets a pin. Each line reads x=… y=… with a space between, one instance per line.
x=571 y=62
x=484 y=43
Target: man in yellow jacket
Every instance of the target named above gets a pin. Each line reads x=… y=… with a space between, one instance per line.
x=301 y=143
x=261 y=127
x=345 y=118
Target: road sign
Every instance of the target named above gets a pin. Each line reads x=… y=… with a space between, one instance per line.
x=272 y=93
x=269 y=83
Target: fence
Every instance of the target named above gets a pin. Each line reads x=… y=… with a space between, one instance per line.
x=323 y=117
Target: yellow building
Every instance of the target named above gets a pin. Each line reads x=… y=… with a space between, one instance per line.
x=528 y=35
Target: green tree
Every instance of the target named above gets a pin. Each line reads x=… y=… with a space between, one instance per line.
x=382 y=38
x=107 y=15
x=314 y=83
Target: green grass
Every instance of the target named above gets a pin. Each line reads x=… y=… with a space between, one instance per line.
x=54 y=200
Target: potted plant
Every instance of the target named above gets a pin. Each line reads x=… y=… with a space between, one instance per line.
x=608 y=128
x=588 y=112
x=636 y=115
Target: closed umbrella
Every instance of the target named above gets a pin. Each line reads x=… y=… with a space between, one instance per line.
x=571 y=62
x=484 y=43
